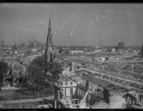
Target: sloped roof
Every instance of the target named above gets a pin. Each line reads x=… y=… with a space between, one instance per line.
x=78 y=80
x=92 y=86
x=118 y=91
x=64 y=79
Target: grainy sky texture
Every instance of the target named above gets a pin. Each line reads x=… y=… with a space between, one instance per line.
x=72 y=24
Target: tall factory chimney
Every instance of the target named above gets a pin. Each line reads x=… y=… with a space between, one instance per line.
x=142 y=50
x=2 y=44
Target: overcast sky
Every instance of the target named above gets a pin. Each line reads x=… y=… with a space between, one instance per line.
x=72 y=24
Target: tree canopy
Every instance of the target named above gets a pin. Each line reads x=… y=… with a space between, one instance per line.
x=3 y=69
x=42 y=73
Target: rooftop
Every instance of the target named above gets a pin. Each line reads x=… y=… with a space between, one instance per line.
x=78 y=80
x=118 y=91
x=100 y=104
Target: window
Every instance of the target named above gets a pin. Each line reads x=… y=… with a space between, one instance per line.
x=71 y=91
x=78 y=91
x=82 y=93
x=71 y=83
x=89 y=97
x=62 y=90
x=66 y=82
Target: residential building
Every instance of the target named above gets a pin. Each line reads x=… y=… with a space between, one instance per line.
x=76 y=51
x=67 y=86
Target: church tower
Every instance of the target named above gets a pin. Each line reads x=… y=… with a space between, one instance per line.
x=49 y=44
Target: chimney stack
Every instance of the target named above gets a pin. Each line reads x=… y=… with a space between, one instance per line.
x=2 y=44
x=142 y=50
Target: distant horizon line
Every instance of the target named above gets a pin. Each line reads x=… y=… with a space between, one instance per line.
x=85 y=45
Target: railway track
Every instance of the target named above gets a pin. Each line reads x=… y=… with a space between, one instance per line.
x=105 y=73
x=112 y=76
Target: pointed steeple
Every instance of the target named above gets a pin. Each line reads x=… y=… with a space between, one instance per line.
x=50 y=34
x=49 y=28
x=49 y=43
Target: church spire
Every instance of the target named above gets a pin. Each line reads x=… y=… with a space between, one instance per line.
x=50 y=34
x=49 y=42
x=49 y=28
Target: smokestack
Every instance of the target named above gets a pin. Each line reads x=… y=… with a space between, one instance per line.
x=2 y=44
x=142 y=50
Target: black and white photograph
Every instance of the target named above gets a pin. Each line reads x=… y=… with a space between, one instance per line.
x=71 y=56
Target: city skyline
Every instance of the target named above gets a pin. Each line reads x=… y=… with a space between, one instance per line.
x=72 y=24
x=71 y=56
